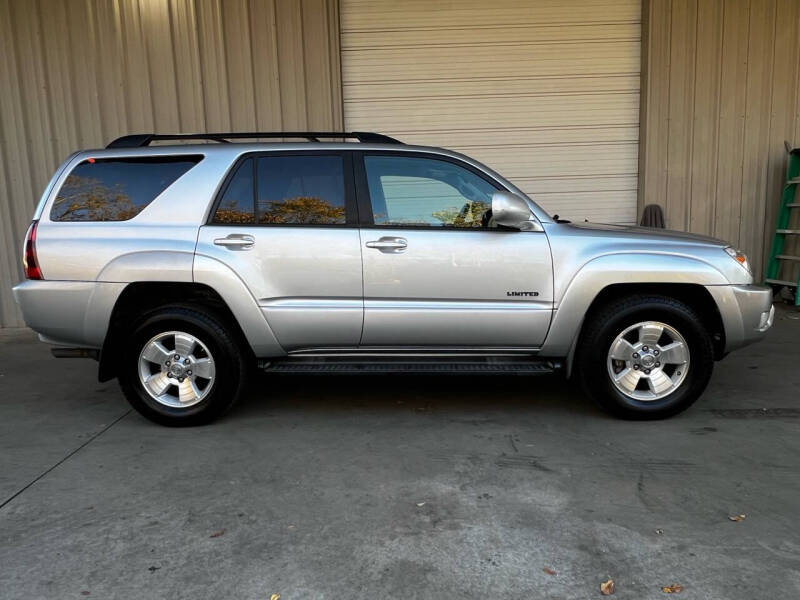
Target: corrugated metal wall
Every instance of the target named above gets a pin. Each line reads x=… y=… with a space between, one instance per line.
x=544 y=91
x=721 y=93
x=77 y=74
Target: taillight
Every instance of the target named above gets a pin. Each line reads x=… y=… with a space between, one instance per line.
x=29 y=261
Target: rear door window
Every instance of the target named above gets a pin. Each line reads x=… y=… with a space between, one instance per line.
x=116 y=189
x=237 y=205
x=301 y=190
x=296 y=189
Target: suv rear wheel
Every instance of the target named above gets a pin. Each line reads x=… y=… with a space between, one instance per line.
x=182 y=366
x=645 y=357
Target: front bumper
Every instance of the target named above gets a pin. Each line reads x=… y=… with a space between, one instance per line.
x=746 y=310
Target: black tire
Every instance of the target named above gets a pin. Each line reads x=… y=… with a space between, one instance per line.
x=606 y=323
x=231 y=361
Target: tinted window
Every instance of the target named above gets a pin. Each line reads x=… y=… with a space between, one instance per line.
x=427 y=192
x=300 y=189
x=238 y=201
x=116 y=189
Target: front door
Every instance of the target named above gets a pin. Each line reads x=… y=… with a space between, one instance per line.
x=286 y=225
x=438 y=272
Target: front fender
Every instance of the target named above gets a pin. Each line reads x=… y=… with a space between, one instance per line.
x=610 y=269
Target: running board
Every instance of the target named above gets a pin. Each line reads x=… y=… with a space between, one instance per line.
x=368 y=367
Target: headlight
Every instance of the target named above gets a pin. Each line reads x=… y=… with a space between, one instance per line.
x=740 y=257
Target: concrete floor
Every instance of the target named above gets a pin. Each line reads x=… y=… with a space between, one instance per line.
x=400 y=487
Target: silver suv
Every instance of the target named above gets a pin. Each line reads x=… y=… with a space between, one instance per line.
x=182 y=267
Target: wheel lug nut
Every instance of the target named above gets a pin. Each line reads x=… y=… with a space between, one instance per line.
x=167 y=363
x=188 y=372
x=636 y=367
x=644 y=348
x=658 y=364
x=635 y=355
x=647 y=371
x=186 y=361
x=180 y=379
x=656 y=352
x=177 y=357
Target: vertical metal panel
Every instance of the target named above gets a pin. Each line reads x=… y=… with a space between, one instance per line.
x=760 y=60
x=654 y=113
x=734 y=97
x=263 y=33
x=290 y=43
x=706 y=116
x=729 y=150
x=239 y=64
x=77 y=74
x=681 y=109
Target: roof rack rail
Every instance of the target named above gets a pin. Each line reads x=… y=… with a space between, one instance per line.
x=143 y=139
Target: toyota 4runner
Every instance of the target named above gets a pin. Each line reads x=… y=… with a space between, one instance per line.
x=181 y=267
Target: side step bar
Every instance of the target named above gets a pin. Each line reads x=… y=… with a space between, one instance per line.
x=349 y=367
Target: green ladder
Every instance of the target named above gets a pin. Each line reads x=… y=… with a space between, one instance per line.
x=788 y=202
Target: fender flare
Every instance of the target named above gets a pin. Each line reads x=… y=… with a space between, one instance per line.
x=188 y=267
x=223 y=280
x=174 y=266
x=618 y=268
x=180 y=268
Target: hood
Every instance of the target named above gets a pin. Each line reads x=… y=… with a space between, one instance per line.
x=653 y=233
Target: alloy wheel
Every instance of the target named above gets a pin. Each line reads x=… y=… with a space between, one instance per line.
x=176 y=369
x=648 y=361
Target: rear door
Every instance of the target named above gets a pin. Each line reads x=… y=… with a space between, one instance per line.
x=286 y=224
x=438 y=272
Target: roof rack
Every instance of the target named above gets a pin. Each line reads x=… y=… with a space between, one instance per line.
x=143 y=139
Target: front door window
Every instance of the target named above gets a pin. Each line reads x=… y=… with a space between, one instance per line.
x=422 y=192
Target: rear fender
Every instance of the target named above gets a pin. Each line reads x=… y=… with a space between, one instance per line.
x=150 y=265
x=244 y=307
x=185 y=267
x=176 y=269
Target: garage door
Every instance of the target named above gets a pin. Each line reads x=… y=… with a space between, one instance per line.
x=544 y=91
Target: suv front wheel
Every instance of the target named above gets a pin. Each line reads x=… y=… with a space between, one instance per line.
x=645 y=357
x=182 y=366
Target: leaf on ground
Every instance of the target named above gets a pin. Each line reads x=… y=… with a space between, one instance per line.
x=737 y=518
x=549 y=571
x=672 y=589
x=275 y=597
x=216 y=534
x=420 y=504
x=607 y=587
x=659 y=531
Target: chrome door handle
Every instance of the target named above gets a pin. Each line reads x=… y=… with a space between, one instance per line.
x=389 y=244
x=236 y=241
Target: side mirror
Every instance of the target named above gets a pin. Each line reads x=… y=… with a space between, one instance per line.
x=511 y=210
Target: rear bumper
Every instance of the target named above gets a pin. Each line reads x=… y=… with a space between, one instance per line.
x=68 y=313
x=746 y=310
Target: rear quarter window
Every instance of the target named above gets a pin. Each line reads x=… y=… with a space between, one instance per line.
x=116 y=189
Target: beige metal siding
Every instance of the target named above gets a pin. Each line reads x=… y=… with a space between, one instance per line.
x=77 y=74
x=544 y=91
x=721 y=93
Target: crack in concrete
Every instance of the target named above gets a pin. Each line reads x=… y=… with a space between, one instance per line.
x=66 y=458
